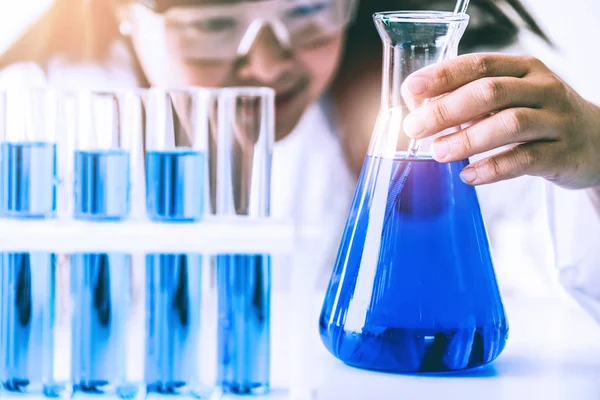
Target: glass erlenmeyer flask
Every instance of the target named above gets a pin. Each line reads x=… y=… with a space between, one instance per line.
x=413 y=287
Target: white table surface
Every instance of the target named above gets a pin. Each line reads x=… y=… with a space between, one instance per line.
x=553 y=352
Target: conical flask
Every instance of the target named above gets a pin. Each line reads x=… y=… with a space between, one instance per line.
x=413 y=288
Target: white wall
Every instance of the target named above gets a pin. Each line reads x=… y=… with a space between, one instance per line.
x=573 y=26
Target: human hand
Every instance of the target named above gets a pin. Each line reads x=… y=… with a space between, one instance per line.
x=517 y=101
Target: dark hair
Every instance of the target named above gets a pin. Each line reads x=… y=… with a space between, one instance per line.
x=85 y=29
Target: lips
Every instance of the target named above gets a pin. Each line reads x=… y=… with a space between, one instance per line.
x=283 y=99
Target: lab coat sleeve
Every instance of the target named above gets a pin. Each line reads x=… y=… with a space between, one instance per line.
x=575 y=226
x=23 y=75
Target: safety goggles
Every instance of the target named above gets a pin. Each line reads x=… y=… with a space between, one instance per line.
x=205 y=29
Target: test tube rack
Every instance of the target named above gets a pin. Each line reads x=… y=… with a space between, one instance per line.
x=210 y=236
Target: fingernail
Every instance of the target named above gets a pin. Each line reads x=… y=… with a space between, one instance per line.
x=440 y=149
x=416 y=85
x=468 y=175
x=413 y=124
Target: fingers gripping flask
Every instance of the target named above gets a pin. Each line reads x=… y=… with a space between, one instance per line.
x=413 y=288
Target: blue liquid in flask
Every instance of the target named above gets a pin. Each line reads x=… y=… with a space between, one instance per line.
x=29 y=286
x=175 y=185
x=100 y=282
x=28 y=180
x=413 y=288
x=244 y=323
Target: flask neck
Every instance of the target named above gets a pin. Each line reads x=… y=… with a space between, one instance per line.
x=411 y=41
x=400 y=61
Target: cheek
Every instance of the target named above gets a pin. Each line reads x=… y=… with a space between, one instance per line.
x=321 y=63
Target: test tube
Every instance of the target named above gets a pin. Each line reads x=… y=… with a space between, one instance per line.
x=245 y=148
x=104 y=140
x=176 y=146
x=28 y=168
x=28 y=186
x=176 y=192
x=100 y=282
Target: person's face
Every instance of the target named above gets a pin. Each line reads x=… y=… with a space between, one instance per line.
x=293 y=49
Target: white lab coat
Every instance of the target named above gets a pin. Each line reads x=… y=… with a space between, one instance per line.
x=542 y=236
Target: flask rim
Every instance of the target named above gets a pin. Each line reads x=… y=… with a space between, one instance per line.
x=420 y=16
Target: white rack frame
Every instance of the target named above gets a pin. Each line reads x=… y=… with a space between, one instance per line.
x=212 y=235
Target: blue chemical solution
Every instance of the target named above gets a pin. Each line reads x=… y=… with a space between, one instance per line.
x=102 y=184
x=413 y=288
x=175 y=183
x=173 y=307
x=28 y=180
x=100 y=285
x=244 y=323
x=175 y=190
x=27 y=326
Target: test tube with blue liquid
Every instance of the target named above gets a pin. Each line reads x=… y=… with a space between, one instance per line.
x=245 y=147
x=100 y=282
x=28 y=280
x=176 y=192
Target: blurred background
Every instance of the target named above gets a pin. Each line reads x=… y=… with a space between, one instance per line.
x=571 y=25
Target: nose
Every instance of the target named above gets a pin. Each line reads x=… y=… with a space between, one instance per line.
x=266 y=59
